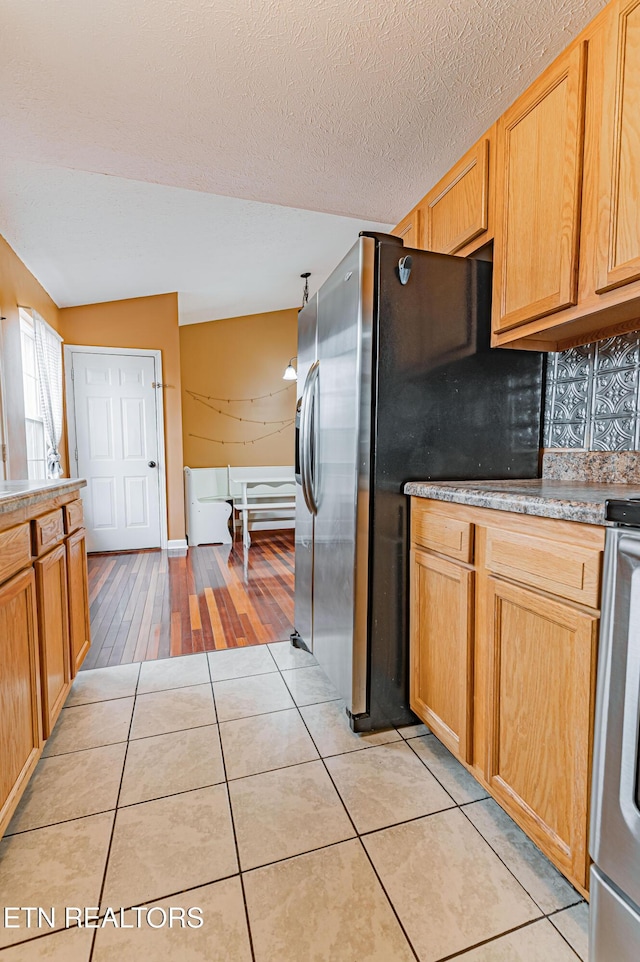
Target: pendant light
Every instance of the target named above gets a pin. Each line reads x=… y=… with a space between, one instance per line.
x=290 y=373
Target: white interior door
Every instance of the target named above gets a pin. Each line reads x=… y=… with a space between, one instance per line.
x=117 y=449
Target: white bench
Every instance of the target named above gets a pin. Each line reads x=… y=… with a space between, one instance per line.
x=267 y=493
x=207 y=505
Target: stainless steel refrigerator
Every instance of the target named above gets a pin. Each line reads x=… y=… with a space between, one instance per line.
x=396 y=382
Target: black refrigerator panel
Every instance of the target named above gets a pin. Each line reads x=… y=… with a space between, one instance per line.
x=445 y=407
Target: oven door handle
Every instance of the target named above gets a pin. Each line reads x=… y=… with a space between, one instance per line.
x=631 y=703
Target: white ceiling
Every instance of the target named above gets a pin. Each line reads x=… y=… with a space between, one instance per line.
x=89 y=238
x=353 y=108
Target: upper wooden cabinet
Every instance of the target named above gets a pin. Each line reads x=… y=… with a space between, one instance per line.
x=538 y=193
x=556 y=184
x=456 y=216
x=620 y=168
x=600 y=297
x=456 y=212
x=409 y=229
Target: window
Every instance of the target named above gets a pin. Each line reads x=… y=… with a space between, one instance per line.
x=34 y=422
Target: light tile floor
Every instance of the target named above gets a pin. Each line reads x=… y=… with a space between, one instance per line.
x=231 y=785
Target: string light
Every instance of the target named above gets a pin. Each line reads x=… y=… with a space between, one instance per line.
x=238 y=400
x=235 y=417
x=201 y=437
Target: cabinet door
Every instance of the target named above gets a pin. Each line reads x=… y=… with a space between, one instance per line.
x=79 y=629
x=539 y=184
x=442 y=649
x=457 y=209
x=20 y=714
x=620 y=172
x=542 y=681
x=53 y=623
x=409 y=230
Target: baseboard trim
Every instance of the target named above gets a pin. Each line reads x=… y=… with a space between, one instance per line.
x=177 y=546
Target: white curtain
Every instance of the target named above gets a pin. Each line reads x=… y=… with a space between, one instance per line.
x=49 y=360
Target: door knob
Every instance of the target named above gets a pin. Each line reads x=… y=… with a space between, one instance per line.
x=152 y=464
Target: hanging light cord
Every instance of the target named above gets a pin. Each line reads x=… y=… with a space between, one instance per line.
x=305 y=292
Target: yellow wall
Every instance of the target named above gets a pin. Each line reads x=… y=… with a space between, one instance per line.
x=150 y=323
x=18 y=288
x=239 y=357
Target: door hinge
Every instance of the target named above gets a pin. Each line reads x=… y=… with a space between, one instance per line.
x=76 y=454
x=4 y=453
x=73 y=375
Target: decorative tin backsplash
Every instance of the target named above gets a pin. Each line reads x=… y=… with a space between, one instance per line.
x=592 y=396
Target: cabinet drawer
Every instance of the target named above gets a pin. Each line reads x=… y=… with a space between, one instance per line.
x=73 y=516
x=15 y=550
x=565 y=570
x=448 y=536
x=48 y=530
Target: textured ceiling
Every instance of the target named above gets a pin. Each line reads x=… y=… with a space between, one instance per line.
x=350 y=107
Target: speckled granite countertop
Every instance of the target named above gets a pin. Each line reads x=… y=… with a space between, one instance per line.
x=546 y=498
x=24 y=493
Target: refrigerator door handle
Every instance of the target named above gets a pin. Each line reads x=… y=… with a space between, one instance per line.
x=302 y=444
x=298 y=469
x=307 y=446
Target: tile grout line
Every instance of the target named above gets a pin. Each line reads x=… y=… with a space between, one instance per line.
x=233 y=824
x=361 y=843
x=358 y=835
x=115 y=814
x=494 y=938
x=502 y=862
x=417 y=818
x=462 y=806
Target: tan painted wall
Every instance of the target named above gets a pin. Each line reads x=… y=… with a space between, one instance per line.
x=150 y=323
x=18 y=288
x=239 y=357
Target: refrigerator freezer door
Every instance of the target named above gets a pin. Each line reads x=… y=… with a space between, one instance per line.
x=345 y=324
x=303 y=611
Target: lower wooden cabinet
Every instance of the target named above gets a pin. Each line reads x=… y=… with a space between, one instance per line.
x=44 y=627
x=53 y=624
x=20 y=712
x=502 y=670
x=79 y=630
x=541 y=692
x=442 y=649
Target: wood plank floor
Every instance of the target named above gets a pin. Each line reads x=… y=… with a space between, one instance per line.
x=147 y=605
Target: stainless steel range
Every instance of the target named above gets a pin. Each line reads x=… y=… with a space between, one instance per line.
x=615 y=804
